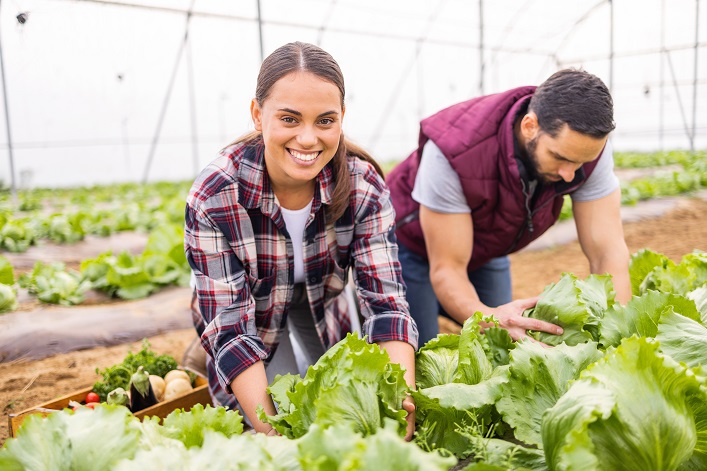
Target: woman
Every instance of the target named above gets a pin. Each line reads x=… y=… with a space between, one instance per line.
x=273 y=226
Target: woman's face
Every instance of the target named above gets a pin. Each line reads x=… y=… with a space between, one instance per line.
x=301 y=125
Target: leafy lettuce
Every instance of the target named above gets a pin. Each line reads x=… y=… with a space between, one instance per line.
x=354 y=382
x=635 y=409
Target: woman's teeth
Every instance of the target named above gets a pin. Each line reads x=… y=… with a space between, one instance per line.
x=306 y=157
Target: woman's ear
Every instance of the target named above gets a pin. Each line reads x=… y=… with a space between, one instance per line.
x=256 y=114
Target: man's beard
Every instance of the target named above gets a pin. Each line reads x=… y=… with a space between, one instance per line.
x=531 y=160
x=533 y=167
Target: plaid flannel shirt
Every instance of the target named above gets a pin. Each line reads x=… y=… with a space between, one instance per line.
x=237 y=245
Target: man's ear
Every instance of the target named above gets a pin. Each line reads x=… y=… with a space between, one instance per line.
x=529 y=126
x=256 y=114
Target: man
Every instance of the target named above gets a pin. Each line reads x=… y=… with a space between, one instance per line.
x=489 y=176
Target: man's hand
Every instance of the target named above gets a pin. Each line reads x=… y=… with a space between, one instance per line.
x=510 y=317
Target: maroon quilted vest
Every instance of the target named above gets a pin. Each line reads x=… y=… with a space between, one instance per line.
x=476 y=136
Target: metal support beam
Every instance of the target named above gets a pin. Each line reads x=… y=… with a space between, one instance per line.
x=694 y=80
x=13 y=186
x=260 y=32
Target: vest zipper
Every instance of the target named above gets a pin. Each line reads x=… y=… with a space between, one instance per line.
x=528 y=218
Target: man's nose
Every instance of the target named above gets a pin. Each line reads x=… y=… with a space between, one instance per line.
x=567 y=171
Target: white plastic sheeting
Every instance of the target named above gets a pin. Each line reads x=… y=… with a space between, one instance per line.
x=87 y=80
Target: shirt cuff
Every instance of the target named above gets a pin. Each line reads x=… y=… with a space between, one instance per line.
x=391 y=326
x=237 y=356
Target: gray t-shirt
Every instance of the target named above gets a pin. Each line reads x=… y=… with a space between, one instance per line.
x=437 y=185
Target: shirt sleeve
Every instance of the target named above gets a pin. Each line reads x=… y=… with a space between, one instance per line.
x=378 y=276
x=437 y=185
x=227 y=324
x=602 y=181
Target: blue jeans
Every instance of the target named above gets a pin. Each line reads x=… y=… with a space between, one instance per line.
x=492 y=282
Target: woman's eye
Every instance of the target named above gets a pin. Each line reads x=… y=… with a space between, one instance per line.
x=326 y=121
x=289 y=119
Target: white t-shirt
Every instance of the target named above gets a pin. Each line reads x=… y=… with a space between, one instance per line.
x=295 y=221
x=437 y=185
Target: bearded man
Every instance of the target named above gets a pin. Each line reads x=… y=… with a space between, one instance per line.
x=489 y=176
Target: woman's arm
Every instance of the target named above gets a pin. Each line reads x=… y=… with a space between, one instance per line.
x=379 y=282
x=403 y=354
x=227 y=323
x=249 y=387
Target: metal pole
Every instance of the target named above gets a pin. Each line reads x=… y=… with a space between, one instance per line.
x=260 y=32
x=661 y=55
x=13 y=187
x=165 y=102
x=611 y=46
x=694 y=79
x=481 y=47
x=192 y=110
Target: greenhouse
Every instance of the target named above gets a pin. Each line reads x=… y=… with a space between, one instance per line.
x=224 y=225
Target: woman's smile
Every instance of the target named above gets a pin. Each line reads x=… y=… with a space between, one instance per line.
x=304 y=157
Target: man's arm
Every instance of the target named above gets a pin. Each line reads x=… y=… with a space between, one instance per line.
x=601 y=237
x=449 y=239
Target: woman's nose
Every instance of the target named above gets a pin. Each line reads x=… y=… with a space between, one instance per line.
x=307 y=137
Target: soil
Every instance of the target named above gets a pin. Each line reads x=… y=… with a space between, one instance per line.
x=27 y=383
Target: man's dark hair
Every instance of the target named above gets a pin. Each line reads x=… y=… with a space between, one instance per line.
x=576 y=98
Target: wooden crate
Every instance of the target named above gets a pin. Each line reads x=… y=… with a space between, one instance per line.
x=198 y=395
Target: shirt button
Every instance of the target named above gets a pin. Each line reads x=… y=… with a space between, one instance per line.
x=313 y=279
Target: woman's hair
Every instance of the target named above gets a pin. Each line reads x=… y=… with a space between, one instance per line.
x=296 y=57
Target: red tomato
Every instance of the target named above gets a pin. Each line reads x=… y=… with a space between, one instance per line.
x=91 y=405
x=92 y=397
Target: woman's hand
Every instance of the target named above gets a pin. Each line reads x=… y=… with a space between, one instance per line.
x=409 y=407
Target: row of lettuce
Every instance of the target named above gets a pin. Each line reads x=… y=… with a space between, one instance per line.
x=68 y=216
x=122 y=275
x=623 y=388
x=691 y=177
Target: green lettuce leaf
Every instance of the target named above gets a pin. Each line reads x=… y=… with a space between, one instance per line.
x=437 y=361
x=82 y=440
x=8 y=298
x=538 y=378
x=503 y=455
x=443 y=410
x=642 y=264
x=340 y=448
x=351 y=372
x=699 y=296
x=629 y=411
x=473 y=365
x=682 y=338
x=7 y=274
x=189 y=427
x=689 y=274
x=641 y=316
x=576 y=305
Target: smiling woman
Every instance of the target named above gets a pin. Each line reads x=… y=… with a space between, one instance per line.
x=275 y=224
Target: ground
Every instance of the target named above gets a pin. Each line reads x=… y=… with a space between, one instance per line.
x=29 y=383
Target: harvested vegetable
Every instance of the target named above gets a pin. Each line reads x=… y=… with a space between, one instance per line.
x=158 y=385
x=118 y=376
x=176 y=387
x=92 y=397
x=141 y=394
x=118 y=396
x=174 y=374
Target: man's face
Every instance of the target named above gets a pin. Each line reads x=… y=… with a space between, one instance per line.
x=554 y=159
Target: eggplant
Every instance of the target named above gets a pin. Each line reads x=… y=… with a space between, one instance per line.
x=141 y=394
